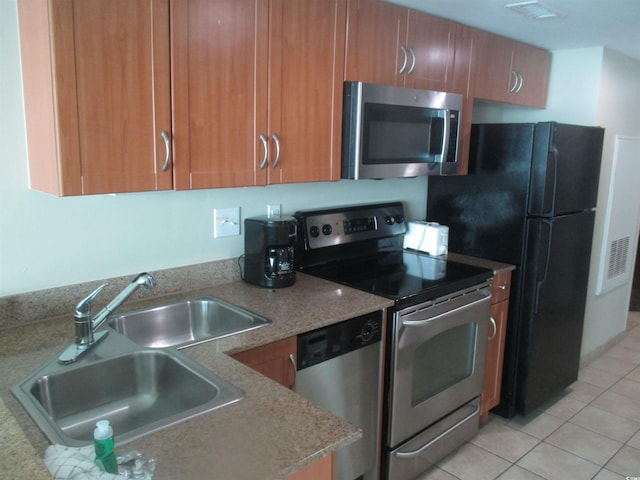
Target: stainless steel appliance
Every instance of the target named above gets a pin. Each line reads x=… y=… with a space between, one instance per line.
x=269 y=251
x=399 y=132
x=340 y=368
x=435 y=336
x=529 y=200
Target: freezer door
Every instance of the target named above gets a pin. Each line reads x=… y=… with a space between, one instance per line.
x=486 y=210
x=565 y=169
x=553 y=297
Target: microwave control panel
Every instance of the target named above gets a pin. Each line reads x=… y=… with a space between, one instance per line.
x=330 y=227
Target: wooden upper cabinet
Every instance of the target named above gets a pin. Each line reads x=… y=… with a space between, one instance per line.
x=510 y=71
x=461 y=83
x=306 y=71
x=97 y=94
x=219 y=63
x=533 y=65
x=432 y=41
x=257 y=91
x=393 y=45
x=375 y=32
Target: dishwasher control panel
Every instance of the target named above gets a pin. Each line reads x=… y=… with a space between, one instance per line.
x=334 y=340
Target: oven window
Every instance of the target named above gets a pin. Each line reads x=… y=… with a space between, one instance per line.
x=401 y=134
x=443 y=361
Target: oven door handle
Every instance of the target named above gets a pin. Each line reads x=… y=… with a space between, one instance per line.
x=421 y=323
x=413 y=453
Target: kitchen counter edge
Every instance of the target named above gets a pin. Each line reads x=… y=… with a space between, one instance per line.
x=269 y=434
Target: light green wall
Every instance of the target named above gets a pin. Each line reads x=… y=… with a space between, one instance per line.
x=47 y=241
x=617 y=109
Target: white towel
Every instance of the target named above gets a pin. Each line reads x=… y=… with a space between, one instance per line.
x=66 y=463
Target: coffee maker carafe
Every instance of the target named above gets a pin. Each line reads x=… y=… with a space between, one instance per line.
x=269 y=246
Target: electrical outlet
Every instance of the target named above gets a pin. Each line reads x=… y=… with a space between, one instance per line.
x=226 y=222
x=273 y=210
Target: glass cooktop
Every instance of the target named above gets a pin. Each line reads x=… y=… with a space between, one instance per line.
x=407 y=277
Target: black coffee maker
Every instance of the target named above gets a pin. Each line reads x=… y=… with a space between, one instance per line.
x=269 y=245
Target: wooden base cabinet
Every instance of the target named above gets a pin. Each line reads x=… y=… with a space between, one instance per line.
x=320 y=470
x=276 y=360
x=495 y=347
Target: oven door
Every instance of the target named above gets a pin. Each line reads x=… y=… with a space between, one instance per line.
x=439 y=351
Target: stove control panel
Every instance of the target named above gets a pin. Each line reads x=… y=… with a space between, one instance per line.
x=339 y=226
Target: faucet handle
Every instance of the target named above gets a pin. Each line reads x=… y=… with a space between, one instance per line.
x=83 y=308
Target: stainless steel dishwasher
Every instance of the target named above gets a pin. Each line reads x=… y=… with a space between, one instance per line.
x=340 y=368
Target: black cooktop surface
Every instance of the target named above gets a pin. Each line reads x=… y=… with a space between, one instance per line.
x=407 y=277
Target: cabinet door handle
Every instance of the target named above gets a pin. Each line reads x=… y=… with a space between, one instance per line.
x=406 y=59
x=512 y=89
x=292 y=360
x=265 y=146
x=521 y=82
x=502 y=287
x=413 y=61
x=495 y=328
x=276 y=140
x=167 y=149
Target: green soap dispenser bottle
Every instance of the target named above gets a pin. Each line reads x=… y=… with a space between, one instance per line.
x=104 y=447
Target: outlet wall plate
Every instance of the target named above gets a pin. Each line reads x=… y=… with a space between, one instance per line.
x=226 y=222
x=274 y=210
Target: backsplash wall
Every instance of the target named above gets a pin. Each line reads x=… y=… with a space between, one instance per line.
x=48 y=242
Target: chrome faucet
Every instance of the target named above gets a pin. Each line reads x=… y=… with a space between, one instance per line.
x=86 y=324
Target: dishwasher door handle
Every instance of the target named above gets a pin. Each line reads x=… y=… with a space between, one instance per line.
x=292 y=360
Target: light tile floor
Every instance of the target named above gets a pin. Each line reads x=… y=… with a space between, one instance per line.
x=591 y=431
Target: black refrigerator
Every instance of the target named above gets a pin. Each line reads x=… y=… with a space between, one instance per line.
x=529 y=200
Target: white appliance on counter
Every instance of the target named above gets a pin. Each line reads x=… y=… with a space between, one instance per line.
x=429 y=237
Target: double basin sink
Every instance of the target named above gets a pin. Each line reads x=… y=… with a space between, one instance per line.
x=137 y=378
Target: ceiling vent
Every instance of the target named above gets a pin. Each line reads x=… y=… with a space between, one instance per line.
x=534 y=9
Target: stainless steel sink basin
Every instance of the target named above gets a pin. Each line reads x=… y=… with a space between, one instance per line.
x=139 y=392
x=184 y=323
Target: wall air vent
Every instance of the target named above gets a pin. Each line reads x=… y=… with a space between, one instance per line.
x=618 y=254
x=622 y=217
x=534 y=9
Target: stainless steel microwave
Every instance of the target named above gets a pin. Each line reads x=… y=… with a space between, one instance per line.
x=399 y=132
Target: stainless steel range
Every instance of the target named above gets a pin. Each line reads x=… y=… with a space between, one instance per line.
x=436 y=333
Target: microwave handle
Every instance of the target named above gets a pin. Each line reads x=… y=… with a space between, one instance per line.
x=445 y=135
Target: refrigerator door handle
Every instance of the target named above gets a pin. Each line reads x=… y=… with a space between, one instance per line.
x=553 y=155
x=541 y=279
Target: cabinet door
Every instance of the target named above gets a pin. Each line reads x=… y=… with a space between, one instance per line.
x=375 y=31
x=110 y=98
x=276 y=360
x=492 y=75
x=219 y=65
x=465 y=45
x=306 y=66
x=495 y=356
x=533 y=65
x=432 y=41
x=320 y=470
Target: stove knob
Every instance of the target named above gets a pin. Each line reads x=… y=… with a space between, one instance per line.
x=390 y=220
x=399 y=219
x=326 y=229
x=314 y=231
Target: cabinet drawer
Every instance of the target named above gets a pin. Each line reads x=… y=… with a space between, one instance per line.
x=501 y=286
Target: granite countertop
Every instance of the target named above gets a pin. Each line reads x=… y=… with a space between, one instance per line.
x=269 y=434
x=497 y=267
